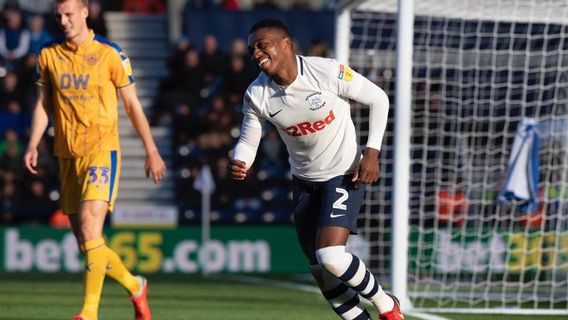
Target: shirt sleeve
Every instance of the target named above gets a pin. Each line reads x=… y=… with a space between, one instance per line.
x=354 y=86
x=42 y=72
x=121 y=70
x=251 y=132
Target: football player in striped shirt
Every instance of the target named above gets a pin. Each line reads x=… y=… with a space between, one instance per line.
x=307 y=100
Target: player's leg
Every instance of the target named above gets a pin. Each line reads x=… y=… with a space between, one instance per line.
x=102 y=183
x=350 y=269
x=341 y=203
x=101 y=260
x=136 y=286
x=87 y=225
x=115 y=268
x=343 y=300
x=98 y=174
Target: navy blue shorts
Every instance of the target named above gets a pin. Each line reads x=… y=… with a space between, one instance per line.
x=335 y=203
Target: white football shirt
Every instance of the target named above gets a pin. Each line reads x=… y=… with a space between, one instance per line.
x=313 y=118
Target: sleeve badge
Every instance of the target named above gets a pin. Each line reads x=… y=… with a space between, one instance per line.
x=345 y=73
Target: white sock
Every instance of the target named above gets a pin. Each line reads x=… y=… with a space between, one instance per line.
x=382 y=301
x=353 y=272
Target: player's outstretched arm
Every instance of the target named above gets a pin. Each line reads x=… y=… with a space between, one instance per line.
x=155 y=165
x=246 y=148
x=364 y=91
x=40 y=120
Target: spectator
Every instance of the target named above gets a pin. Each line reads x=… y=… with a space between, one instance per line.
x=186 y=126
x=182 y=86
x=144 y=6
x=38 y=207
x=26 y=77
x=12 y=118
x=318 y=48
x=9 y=203
x=213 y=60
x=10 y=90
x=14 y=39
x=11 y=159
x=38 y=34
x=11 y=140
x=176 y=60
x=237 y=78
x=191 y=78
x=239 y=48
x=96 y=19
x=218 y=117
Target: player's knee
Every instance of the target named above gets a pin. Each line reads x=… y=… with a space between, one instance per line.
x=334 y=259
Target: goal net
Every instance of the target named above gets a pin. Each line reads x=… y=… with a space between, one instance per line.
x=480 y=67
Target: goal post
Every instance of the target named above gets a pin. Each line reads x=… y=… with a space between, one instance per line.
x=439 y=237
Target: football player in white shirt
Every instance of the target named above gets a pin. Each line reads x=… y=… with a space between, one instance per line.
x=307 y=100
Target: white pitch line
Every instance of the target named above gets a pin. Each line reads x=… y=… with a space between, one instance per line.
x=424 y=316
x=305 y=288
x=268 y=282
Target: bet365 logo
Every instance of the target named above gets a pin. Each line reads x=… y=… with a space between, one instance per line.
x=77 y=80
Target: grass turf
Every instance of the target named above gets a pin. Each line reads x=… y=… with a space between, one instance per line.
x=50 y=297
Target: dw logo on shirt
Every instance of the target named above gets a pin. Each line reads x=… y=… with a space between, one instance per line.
x=77 y=80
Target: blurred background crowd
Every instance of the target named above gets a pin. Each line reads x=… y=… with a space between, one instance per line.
x=199 y=98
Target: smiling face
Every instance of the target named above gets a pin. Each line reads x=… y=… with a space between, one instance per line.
x=71 y=17
x=270 y=49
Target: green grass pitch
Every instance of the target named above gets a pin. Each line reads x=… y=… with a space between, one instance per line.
x=180 y=297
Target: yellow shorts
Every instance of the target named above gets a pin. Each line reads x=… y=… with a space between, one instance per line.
x=93 y=177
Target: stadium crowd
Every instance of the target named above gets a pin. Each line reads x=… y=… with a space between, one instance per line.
x=200 y=98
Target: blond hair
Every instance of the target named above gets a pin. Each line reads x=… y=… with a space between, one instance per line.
x=85 y=3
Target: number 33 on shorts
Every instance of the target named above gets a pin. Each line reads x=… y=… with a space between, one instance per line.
x=93 y=177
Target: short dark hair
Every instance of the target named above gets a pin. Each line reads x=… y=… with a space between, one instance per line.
x=270 y=23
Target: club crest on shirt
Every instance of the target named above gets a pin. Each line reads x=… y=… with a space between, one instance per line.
x=92 y=59
x=127 y=66
x=315 y=101
x=345 y=73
